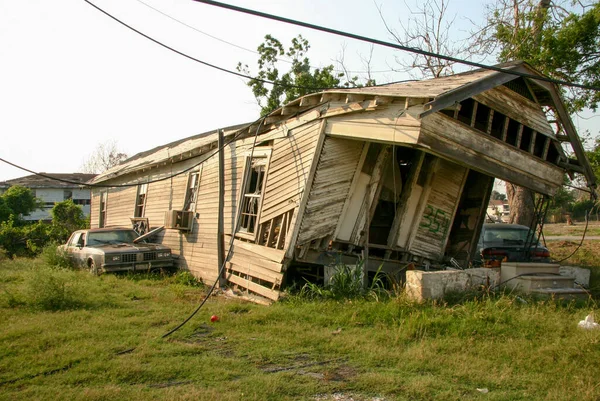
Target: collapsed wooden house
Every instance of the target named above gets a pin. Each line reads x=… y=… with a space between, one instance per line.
x=391 y=174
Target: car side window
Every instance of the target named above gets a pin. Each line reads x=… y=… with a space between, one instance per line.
x=81 y=241
x=75 y=239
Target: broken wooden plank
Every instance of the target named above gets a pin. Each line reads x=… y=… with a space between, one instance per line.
x=254 y=287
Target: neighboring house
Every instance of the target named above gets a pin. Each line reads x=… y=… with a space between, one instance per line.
x=396 y=175
x=498 y=210
x=52 y=191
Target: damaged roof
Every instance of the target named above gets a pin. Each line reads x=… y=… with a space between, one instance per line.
x=440 y=93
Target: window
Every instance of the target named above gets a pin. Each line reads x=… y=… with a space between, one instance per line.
x=103 y=200
x=140 y=200
x=254 y=178
x=82 y=202
x=191 y=194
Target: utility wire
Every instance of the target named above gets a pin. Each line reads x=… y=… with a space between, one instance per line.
x=388 y=44
x=239 y=74
x=78 y=183
x=242 y=47
x=222 y=267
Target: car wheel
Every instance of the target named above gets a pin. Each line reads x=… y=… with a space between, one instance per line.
x=93 y=267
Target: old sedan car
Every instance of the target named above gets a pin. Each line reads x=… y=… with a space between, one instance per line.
x=115 y=249
x=507 y=243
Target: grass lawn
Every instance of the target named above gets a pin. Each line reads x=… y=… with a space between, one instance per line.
x=577 y=229
x=61 y=333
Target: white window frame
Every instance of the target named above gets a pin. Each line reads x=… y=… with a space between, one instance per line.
x=258 y=153
x=103 y=209
x=192 y=190
x=142 y=189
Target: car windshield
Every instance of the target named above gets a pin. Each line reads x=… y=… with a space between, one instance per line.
x=110 y=237
x=515 y=236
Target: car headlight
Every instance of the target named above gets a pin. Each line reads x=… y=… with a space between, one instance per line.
x=164 y=254
x=115 y=258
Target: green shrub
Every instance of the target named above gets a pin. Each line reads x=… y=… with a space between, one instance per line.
x=51 y=290
x=186 y=278
x=346 y=283
x=56 y=257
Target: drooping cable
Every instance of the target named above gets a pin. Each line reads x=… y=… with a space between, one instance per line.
x=388 y=44
x=587 y=220
x=242 y=47
x=239 y=74
x=222 y=267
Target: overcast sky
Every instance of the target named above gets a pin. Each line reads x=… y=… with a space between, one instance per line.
x=71 y=78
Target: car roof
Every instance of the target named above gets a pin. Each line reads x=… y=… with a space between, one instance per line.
x=104 y=229
x=502 y=226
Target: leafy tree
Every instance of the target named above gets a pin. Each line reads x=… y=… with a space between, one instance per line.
x=296 y=82
x=560 y=41
x=66 y=218
x=17 y=201
x=498 y=196
x=594 y=158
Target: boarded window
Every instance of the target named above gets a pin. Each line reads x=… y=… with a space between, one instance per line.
x=102 y=214
x=252 y=195
x=140 y=200
x=191 y=194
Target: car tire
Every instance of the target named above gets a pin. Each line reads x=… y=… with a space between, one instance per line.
x=93 y=267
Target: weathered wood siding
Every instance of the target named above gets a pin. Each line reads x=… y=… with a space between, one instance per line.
x=438 y=209
x=454 y=140
x=288 y=170
x=335 y=170
x=95 y=208
x=121 y=203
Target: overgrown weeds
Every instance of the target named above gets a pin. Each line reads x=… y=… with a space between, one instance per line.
x=55 y=256
x=347 y=282
x=517 y=348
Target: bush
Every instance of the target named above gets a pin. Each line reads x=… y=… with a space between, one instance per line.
x=56 y=257
x=50 y=290
x=346 y=283
x=186 y=278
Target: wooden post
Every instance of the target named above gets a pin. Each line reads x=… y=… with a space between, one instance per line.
x=220 y=224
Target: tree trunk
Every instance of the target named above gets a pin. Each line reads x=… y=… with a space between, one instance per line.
x=521 y=201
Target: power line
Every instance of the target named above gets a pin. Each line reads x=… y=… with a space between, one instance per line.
x=204 y=62
x=78 y=183
x=388 y=44
x=242 y=47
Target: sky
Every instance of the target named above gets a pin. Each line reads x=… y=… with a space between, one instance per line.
x=72 y=78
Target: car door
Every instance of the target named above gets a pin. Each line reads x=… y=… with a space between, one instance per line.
x=75 y=248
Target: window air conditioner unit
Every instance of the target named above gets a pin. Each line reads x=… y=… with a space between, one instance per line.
x=179 y=220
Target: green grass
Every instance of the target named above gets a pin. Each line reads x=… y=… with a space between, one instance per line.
x=518 y=349
x=576 y=229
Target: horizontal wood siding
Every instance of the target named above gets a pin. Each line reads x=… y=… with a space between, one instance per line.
x=335 y=171
x=439 y=208
x=288 y=170
x=120 y=206
x=161 y=194
x=95 y=208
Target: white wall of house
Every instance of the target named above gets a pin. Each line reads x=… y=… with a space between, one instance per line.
x=50 y=196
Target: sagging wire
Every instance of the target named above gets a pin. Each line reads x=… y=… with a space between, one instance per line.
x=222 y=267
x=90 y=185
x=587 y=220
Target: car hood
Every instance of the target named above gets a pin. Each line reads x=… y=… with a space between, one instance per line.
x=126 y=247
